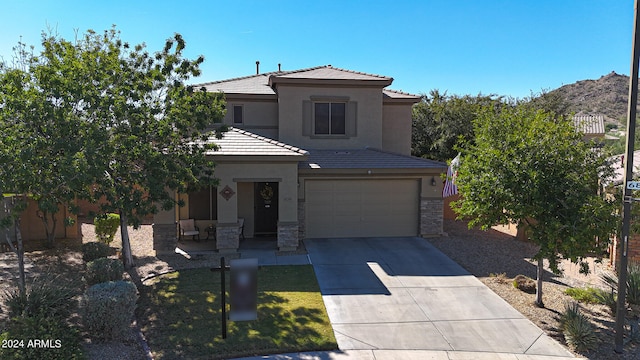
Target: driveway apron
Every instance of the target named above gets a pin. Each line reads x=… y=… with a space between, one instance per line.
x=404 y=294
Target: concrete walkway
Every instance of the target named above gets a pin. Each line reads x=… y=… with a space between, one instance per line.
x=401 y=298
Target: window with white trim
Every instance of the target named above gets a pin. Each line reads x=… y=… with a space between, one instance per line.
x=330 y=118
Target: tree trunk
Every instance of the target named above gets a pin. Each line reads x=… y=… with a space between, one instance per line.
x=7 y=208
x=52 y=235
x=127 y=256
x=540 y=273
x=20 y=252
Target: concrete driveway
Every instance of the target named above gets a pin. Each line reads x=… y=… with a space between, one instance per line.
x=401 y=298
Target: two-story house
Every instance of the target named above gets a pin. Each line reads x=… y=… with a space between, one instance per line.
x=313 y=153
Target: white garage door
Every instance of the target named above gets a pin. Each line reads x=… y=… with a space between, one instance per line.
x=361 y=208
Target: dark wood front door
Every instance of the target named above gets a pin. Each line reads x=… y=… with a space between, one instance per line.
x=266 y=208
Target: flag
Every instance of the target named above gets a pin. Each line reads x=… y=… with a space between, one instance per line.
x=450 y=187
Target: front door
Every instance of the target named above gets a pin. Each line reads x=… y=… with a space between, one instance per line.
x=266 y=208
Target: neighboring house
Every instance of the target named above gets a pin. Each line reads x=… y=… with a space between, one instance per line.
x=592 y=126
x=313 y=153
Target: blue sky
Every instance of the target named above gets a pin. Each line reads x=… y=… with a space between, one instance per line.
x=505 y=47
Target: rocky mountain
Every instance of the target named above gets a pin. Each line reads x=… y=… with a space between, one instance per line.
x=606 y=96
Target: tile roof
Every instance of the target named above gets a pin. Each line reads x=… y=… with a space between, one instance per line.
x=395 y=94
x=589 y=124
x=259 y=84
x=241 y=142
x=254 y=85
x=330 y=72
x=367 y=158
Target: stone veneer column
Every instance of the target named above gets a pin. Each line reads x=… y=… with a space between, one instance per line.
x=431 y=217
x=227 y=237
x=288 y=236
x=301 y=219
x=165 y=238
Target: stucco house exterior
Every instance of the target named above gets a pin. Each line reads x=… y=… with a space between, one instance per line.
x=321 y=152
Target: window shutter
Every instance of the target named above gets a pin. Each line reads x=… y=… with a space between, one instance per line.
x=352 y=116
x=306 y=118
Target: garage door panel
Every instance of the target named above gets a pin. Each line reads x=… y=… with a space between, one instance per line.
x=361 y=208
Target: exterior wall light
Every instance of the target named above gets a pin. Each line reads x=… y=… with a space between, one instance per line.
x=433 y=181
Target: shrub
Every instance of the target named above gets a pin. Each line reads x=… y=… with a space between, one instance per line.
x=106 y=227
x=41 y=337
x=609 y=299
x=108 y=309
x=95 y=250
x=500 y=278
x=45 y=295
x=103 y=270
x=633 y=282
x=577 y=330
x=587 y=295
x=525 y=284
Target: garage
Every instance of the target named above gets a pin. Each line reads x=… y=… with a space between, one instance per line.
x=361 y=208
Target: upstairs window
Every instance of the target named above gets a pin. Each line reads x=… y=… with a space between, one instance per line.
x=330 y=118
x=238 y=114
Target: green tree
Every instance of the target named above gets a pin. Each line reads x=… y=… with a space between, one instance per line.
x=96 y=117
x=441 y=120
x=41 y=147
x=149 y=126
x=526 y=165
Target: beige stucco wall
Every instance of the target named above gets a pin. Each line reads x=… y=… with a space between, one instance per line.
x=183 y=211
x=396 y=128
x=232 y=174
x=165 y=217
x=426 y=189
x=429 y=191
x=245 y=206
x=369 y=116
x=260 y=117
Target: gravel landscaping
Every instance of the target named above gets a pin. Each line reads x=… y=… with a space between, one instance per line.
x=494 y=257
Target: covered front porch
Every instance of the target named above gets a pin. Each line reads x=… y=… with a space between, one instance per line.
x=256 y=197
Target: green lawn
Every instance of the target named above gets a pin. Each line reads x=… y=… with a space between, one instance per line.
x=180 y=315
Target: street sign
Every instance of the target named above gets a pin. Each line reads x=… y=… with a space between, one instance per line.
x=633 y=185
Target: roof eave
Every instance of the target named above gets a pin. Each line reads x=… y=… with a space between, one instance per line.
x=250 y=96
x=407 y=100
x=372 y=171
x=340 y=82
x=236 y=158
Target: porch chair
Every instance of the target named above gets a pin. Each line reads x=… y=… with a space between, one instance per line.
x=241 y=228
x=188 y=228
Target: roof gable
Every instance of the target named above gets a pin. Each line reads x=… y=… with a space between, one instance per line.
x=329 y=74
